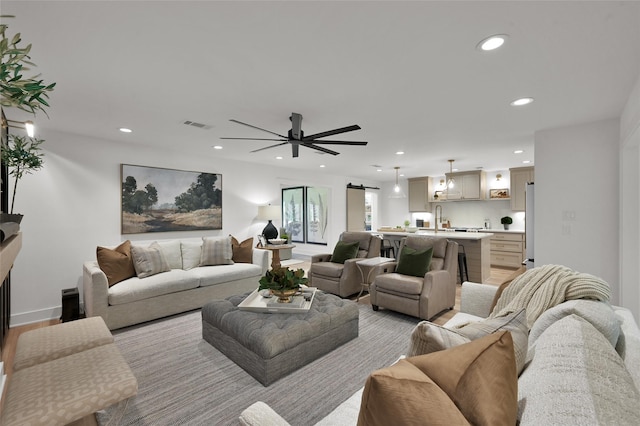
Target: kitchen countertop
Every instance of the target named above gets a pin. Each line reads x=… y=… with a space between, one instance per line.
x=440 y=233
x=509 y=231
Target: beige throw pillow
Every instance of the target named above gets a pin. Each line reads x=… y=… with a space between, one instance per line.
x=428 y=337
x=149 y=260
x=191 y=254
x=216 y=251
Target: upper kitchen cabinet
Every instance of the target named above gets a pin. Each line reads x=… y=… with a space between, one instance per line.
x=468 y=185
x=419 y=194
x=520 y=176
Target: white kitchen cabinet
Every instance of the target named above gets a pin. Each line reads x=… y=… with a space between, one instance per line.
x=468 y=186
x=507 y=249
x=520 y=176
x=419 y=194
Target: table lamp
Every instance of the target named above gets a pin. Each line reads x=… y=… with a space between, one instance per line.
x=269 y=213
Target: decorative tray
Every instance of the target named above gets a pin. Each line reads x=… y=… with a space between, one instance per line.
x=255 y=302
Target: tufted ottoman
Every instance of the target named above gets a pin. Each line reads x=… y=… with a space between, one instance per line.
x=269 y=346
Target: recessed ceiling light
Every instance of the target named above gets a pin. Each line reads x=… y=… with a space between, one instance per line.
x=322 y=165
x=518 y=151
x=217 y=147
x=378 y=170
x=521 y=102
x=492 y=42
x=125 y=130
x=526 y=162
x=278 y=158
x=399 y=152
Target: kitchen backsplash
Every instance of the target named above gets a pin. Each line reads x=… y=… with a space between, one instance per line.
x=471 y=214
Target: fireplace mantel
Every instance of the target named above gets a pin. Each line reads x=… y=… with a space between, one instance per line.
x=9 y=250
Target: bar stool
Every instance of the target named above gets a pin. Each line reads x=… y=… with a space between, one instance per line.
x=387 y=249
x=462 y=264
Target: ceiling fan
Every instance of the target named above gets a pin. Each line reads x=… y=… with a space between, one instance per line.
x=296 y=137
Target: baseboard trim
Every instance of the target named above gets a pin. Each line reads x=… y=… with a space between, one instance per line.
x=31 y=317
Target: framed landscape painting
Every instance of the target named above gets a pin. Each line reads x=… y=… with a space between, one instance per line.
x=293 y=213
x=160 y=200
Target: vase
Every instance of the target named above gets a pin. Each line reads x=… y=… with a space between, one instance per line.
x=284 y=296
x=270 y=231
x=506 y=227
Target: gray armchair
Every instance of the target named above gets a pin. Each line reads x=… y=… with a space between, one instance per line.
x=343 y=279
x=421 y=297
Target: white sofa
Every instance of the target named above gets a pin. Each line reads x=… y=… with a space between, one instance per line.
x=185 y=287
x=577 y=372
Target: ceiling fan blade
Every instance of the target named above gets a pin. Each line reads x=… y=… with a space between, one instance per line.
x=271 y=146
x=339 y=142
x=295 y=147
x=296 y=125
x=255 y=139
x=319 y=148
x=332 y=132
x=258 y=128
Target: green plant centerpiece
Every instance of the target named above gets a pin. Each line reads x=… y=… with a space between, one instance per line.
x=283 y=282
x=506 y=221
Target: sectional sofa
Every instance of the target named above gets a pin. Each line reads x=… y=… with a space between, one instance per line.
x=146 y=280
x=577 y=363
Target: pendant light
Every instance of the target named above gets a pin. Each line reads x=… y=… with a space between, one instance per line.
x=450 y=187
x=397 y=189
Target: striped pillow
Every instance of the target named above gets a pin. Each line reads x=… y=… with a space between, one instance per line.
x=149 y=261
x=428 y=337
x=216 y=251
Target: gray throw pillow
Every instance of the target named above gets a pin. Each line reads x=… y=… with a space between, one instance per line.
x=428 y=337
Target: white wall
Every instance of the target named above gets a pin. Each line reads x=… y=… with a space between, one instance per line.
x=577 y=201
x=630 y=203
x=73 y=204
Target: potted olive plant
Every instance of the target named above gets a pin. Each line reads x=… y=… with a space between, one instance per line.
x=506 y=221
x=22 y=155
x=28 y=94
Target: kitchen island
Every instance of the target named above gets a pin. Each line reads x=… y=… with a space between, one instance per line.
x=476 y=245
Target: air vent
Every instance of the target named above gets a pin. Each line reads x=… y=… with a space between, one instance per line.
x=198 y=125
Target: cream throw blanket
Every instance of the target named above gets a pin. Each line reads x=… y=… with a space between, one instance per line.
x=544 y=287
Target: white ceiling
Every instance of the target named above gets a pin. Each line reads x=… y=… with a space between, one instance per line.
x=408 y=73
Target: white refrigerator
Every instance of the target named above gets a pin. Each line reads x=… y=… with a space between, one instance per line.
x=529 y=224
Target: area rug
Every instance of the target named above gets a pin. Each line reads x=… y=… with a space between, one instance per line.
x=183 y=380
x=291 y=262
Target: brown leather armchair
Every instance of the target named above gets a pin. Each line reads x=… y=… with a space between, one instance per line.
x=421 y=297
x=338 y=278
